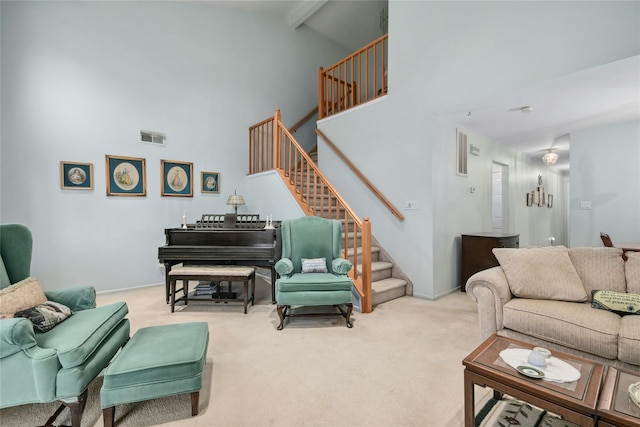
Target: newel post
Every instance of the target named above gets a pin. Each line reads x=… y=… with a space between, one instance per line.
x=367 y=303
x=276 y=139
x=320 y=93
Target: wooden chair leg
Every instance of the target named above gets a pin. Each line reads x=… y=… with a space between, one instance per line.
x=76 y=406
x=108 y=416
x=348 y=315
x=280 y=309
x=195 y=402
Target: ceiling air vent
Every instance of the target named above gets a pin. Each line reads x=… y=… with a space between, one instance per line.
x=152 y=137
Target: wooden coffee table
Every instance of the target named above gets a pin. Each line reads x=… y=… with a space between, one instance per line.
x=615 y=409
x=574 y=402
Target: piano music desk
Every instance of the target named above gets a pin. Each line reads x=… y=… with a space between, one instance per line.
x=214 y=274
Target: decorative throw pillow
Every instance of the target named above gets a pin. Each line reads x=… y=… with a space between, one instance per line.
x=541 y=273
x=46 y=315
x=19 y=296
x=618 y=302
x=632 y=272
x=314 y=265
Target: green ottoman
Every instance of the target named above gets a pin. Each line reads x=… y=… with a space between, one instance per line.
x=158 y=361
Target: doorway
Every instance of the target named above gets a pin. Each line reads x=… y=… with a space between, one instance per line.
x=500 y=197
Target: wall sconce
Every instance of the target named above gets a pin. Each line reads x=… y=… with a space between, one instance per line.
x=539 y=197
x=235 y=201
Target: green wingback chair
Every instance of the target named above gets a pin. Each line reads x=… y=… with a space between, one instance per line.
x=37 y=367
x=312 y=238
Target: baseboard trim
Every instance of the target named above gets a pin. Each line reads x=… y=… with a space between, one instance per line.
x=112 y=291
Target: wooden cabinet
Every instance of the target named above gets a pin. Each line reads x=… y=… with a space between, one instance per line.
x=477 y=255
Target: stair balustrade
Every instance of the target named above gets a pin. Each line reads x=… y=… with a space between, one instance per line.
x=272 y=147
x=354 y=80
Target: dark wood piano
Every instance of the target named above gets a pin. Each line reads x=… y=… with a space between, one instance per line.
x=223 y=240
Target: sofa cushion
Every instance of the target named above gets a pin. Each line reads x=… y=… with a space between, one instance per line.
x=569 y=324
x=632 y=272
x=76 y=338
x=46 y=315
x=629 y=340
x=25 y=294
x=541 y=273
x=599 y=268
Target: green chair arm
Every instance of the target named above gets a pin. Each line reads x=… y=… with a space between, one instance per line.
x=81 y=298
x=284 y=267
x=341 y=265
x=16 y=334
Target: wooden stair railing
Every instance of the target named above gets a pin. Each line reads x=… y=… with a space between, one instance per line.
x=271 y=147
x=303 y=120
x=354 y=80
x=360 y=175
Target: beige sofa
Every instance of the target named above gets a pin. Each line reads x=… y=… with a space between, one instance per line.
x=543 y=296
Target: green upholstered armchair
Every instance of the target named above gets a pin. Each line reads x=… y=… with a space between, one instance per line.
x=39 y=367
x=309 y=245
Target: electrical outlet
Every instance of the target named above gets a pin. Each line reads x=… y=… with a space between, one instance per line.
x=411 y=205
x=585 y=205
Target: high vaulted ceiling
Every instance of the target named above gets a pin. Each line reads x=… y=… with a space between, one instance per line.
x=603 y=95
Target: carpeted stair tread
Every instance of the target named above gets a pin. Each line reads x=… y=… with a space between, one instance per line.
x=377 y=266
x=387 y=289
x=387 y=284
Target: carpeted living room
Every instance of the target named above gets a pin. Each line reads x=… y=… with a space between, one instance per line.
x=400 y=365
x=453 y=169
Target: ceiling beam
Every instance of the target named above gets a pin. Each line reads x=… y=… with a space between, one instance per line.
x=304 y=11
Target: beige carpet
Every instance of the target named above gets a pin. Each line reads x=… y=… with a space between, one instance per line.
x=398 y=366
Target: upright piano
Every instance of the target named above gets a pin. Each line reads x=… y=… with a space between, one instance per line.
x=223 y=240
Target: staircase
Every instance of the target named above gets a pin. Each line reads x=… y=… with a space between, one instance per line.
x=387 y=280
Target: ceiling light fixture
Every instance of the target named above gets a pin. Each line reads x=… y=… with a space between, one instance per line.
x=550 y=158
x=526 y=109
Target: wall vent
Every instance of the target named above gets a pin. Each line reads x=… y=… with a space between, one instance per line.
x=149 y=137
x=462 y=150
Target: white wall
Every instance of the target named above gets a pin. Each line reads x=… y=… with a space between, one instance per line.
x=80 y=79
x=448 y=54
x=605 y=171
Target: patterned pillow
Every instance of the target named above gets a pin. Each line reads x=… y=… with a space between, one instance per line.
x=19 y=296
x=541 y=273
x=618 y=302
x=46 y=315
x=314 y=265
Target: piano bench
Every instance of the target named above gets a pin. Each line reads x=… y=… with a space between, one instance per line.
x=214 y=274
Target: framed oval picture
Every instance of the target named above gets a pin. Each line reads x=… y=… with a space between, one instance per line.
x=76 y=176
x=126 y=176
x=177 y=178
x=210 y=182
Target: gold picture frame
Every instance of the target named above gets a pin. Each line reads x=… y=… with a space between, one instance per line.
x=126 y=176
x=76 y=176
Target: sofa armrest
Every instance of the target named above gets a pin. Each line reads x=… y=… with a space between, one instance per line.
x=284 y=267
x=77 y=299
x=341 y=266
x=490 y=289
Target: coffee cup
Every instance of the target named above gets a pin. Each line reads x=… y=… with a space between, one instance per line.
x=539 y=356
